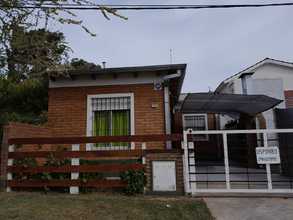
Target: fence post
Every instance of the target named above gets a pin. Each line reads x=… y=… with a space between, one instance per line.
x=143 y=160
x=132 y=145
x=226 y=160
x=268 y=166
x=11 y=148
x=4 y=157
x=143 y=147
x=186 y=164
x=74 y=175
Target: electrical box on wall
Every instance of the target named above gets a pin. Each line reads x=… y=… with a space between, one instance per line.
x=164 y=176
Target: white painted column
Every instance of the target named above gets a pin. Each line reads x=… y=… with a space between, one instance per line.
x=226 y=160
x=143 y=147
x=132 y=145
x=143 y=159
x=167 y=115
x=11 y=148
x=186 y=164
x=268 y=166
x=74 y=175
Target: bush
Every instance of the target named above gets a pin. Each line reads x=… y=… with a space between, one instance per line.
x=26 y=101
x=135 y=182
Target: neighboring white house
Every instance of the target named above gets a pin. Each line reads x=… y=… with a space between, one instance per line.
x=269 y=77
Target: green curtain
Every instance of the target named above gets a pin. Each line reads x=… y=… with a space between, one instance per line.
x=120 y=125
x=102 y=125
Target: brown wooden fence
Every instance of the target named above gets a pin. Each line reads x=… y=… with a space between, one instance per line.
x=73 y=168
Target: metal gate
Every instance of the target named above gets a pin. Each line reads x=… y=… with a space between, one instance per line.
x=236 y=168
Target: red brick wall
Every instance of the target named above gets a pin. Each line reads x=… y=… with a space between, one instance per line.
x=18 y=130
x=68 y=109
x=23 y=130
x=289 y=98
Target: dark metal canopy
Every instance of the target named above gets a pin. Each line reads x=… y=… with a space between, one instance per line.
x=227 y=103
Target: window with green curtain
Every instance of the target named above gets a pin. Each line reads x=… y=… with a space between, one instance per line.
x=101 y=125
x=120 y=125
x=112 y=123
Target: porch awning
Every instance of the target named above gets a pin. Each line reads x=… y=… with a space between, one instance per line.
x=227 y=103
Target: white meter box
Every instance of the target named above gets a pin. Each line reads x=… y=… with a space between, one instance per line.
x=164 y=176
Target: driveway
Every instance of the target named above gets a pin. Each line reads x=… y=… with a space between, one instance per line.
x=251 y=208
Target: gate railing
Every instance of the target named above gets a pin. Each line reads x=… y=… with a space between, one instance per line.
x=190 y=155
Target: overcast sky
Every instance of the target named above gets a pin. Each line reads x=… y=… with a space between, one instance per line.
x=215 y=43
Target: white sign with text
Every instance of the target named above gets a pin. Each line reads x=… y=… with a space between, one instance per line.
x=268 y=155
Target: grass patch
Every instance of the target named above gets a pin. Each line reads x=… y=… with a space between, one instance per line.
x=99 y=206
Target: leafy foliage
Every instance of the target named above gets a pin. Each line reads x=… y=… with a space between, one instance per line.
x=80 y=64
x=25 y=162
x=50 y=161
x=28 y=51
x=135 y=182
x=14 y=16
x=55 y=162
x=26 y=101
x=27 y=97
x=33 y=53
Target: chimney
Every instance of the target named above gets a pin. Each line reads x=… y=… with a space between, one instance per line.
x=104 y=64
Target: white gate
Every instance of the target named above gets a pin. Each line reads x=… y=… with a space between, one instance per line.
x=261 y=174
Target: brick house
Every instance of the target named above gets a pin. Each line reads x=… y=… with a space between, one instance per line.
x=115 y=101
x=111 y=102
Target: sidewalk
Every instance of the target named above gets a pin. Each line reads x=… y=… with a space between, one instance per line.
x=251 y=208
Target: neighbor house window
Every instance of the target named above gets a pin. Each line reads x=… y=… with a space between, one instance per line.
x=110 y=116
x=196 y=122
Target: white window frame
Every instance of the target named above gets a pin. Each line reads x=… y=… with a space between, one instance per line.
x=206 y=123
x=90 y=116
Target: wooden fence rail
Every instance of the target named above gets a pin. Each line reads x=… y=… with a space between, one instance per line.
x=100 y=168
x=75 y=169
x=87 y=154
x=16 y=172
x=66 y=183
x=97 y=139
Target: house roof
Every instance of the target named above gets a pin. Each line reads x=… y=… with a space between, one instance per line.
x=169 y=69
x=130 y=69
x=251 y=69
x=227 y=103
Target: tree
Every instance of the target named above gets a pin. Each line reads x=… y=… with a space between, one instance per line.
x=28 y=50
x=15 y=15
x=24 y=89
x=81 y=64
x=23 y=102
x=33 y=52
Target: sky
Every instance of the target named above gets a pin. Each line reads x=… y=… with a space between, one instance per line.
x=214 y=43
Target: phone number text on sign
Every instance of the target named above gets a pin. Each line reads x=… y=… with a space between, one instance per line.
x=267 y=155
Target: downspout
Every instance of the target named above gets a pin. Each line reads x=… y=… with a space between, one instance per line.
x=167 y=105
x=167 y=114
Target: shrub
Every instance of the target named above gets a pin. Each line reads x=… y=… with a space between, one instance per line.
x=135 y=182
